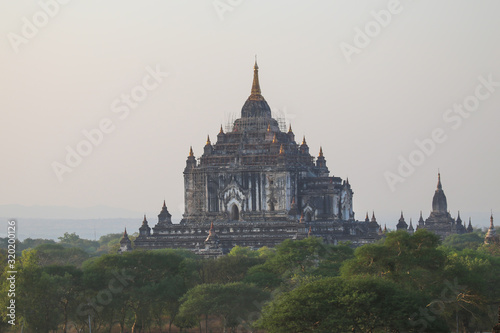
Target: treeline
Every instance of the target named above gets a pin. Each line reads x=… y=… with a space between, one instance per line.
x=106 y=244
x=404 y=283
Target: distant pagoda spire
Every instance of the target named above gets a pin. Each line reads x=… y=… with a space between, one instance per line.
x=321 y=153
x=125 y=242
x=145 y=230
x=421 y=222
x=439 y=204
x=191 y=154
x=164 y=217
x=208 y=140
x=491 y=235
x=402 y=225
x=410 y=228
x=469 y=227
x=290 y=128
x=221 y=130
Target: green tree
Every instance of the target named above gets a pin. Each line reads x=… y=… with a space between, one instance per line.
x=410 y=260
x=109 y=243
x=44 y=295
x=56 y=254
x=234 y=303
x=474 y=276
x=67 y=287
x=145 y=284
x=464 y=241
x=297 y=256
x=333 y=304
x=227 y=269
x=73 y=240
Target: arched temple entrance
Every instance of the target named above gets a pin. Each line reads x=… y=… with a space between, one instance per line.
x=235 y=213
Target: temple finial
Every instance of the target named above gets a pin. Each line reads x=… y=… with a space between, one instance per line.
x=221 y=131
x=191 y=154
x=290 y=128
x=320 y=151
x=164 y=205
x=439 y=186
x=304 y=140
x=256 y=94
x=208 y=140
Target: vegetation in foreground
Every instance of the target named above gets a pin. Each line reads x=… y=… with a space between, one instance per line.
x=404 y=283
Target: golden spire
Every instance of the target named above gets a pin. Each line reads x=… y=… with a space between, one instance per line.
x=221 y=131
x=282 y=150
x=256 y=95
x=208 y=140
x=274 y=138
x=321 y=153
x=269 y=127
x=304 y=140
x=191 y=151
x=290 y=128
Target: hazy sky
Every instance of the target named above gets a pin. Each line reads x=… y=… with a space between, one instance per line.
x=364 y=79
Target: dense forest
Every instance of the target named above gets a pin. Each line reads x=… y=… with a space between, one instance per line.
x=404 y=283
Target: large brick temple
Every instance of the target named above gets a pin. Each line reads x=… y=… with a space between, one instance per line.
x=256 y=186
